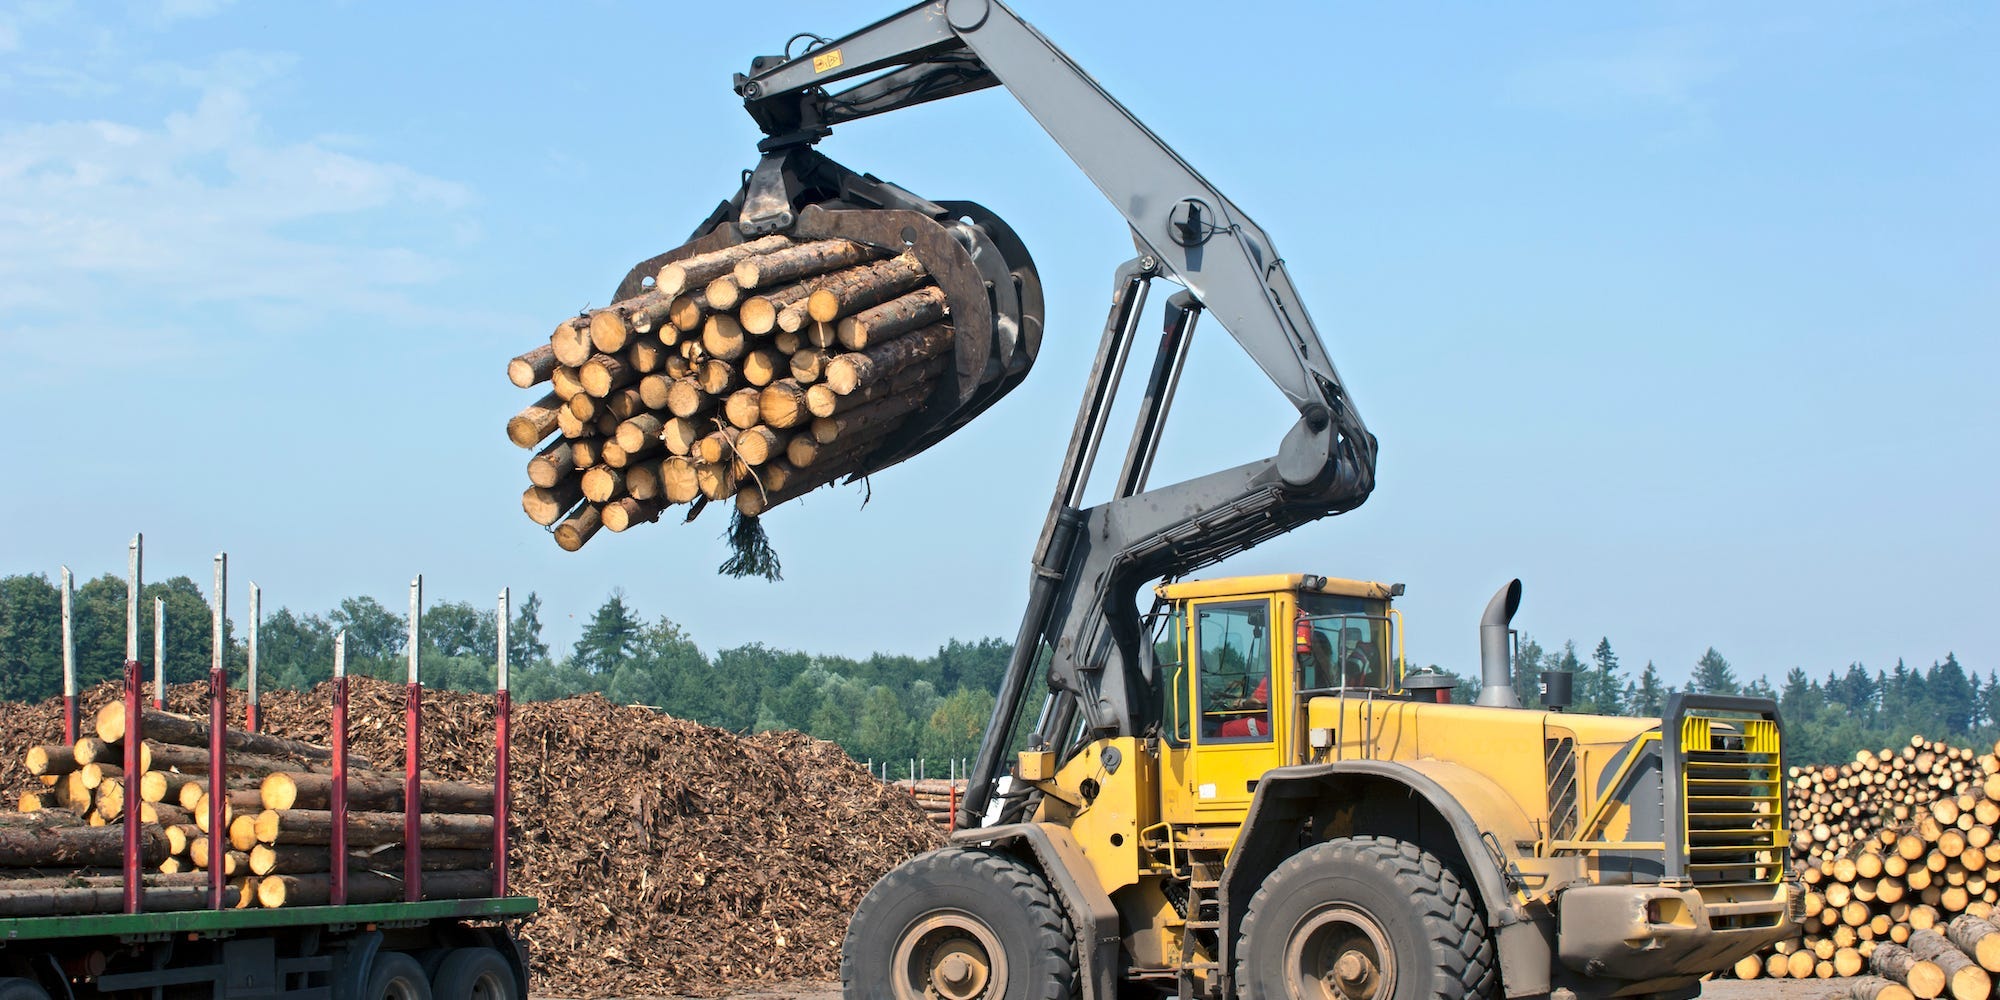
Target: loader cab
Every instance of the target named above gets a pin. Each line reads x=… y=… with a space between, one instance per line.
x=1237 y=659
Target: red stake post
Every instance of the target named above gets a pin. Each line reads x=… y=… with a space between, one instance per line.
x=339 y=851
x=134 y=881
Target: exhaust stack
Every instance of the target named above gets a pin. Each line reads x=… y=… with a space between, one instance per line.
x=1496 y=667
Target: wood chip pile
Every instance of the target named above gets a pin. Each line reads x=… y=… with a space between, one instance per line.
x=1901 y=866
x=668 y=856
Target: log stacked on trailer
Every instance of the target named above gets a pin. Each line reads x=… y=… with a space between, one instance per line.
x=939 y=798
x=749 y=375
x=61 y=852
x=1901 y=866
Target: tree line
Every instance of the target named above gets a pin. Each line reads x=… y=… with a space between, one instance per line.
x=883 y=707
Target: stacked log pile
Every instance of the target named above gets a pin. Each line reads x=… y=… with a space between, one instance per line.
x=276 y=823
x=938 y=797
x=750 y=375
x=1901 y=866
x=668 y=856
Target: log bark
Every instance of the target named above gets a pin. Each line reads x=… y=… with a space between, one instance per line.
x=799 y=261
x=268 y=860
x=377 y=792
x=290 y=827
x=107 y=899
x=571 y=341
x=782 y=404
x=49 y=846
x=1978 y=938
x=1877 y=988
x=53 y=759
x=1898 y=964
x=547 y=505
x=868 y=420
x=892 y=319
x=368 y=887
x=628 y=511
x=1965 y=980
x=536 y=421
x=822 y=401
x=722 y=337
x=532 y=368
x=604 y=373
x=168 y=728
x=552 y=464
x=579 y=527
x=853 y=370
x=702 y=268
x=860 y=288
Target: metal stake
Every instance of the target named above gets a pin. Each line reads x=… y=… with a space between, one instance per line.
x=160 y=654
x=251 y=718
x=69 y=655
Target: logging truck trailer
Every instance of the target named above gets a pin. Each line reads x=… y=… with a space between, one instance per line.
x=1202 y=808
x=138 y=934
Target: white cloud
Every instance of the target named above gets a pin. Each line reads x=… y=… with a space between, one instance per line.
x=122 y=224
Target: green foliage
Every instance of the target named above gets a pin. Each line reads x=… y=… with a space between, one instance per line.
x=1712 y=675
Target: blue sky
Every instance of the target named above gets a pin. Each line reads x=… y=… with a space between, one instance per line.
x=1683 y=312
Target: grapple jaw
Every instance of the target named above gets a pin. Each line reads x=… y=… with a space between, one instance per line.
x=991 y=288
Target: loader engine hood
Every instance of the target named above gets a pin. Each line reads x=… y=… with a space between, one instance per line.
x=991 y=288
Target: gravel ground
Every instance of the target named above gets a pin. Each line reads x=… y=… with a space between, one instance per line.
x=1721 y=989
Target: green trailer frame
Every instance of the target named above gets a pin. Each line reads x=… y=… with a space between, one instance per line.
x=218 y=923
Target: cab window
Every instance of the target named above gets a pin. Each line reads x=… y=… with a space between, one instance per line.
x=1350 y=643
x=1170 y=657
x=1233 y=671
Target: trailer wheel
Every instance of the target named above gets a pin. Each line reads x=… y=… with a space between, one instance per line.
x=397 y=976
x=474 y=974
x=21 y=989
x=1364 y=918
x=959 y=924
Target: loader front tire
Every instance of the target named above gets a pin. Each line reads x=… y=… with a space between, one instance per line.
x=1364 y=918
x=959 y=924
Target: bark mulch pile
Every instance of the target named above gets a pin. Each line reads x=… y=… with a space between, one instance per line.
x=668 y=856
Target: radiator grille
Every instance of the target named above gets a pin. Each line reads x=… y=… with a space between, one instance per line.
x=1559 y=765
x=1733 y=797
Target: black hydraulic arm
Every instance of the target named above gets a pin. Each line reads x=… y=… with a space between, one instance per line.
x=1090 y=562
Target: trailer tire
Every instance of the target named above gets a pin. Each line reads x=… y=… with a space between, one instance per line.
x=959 y=922
x=474 y=974
x=12 y=988
x=1365 y=918
x=396 y=976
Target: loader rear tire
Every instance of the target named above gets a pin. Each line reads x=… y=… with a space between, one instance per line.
x=1364 y=918
x=958 y=924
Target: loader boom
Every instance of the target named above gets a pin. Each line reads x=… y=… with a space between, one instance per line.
x=1090 y=562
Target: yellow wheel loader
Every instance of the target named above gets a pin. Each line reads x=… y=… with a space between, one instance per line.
x=1239 y=792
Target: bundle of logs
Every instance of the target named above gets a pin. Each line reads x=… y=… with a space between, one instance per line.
x=939 y=798
x=1897 y=853
x=752 y=374
x=62 y=852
